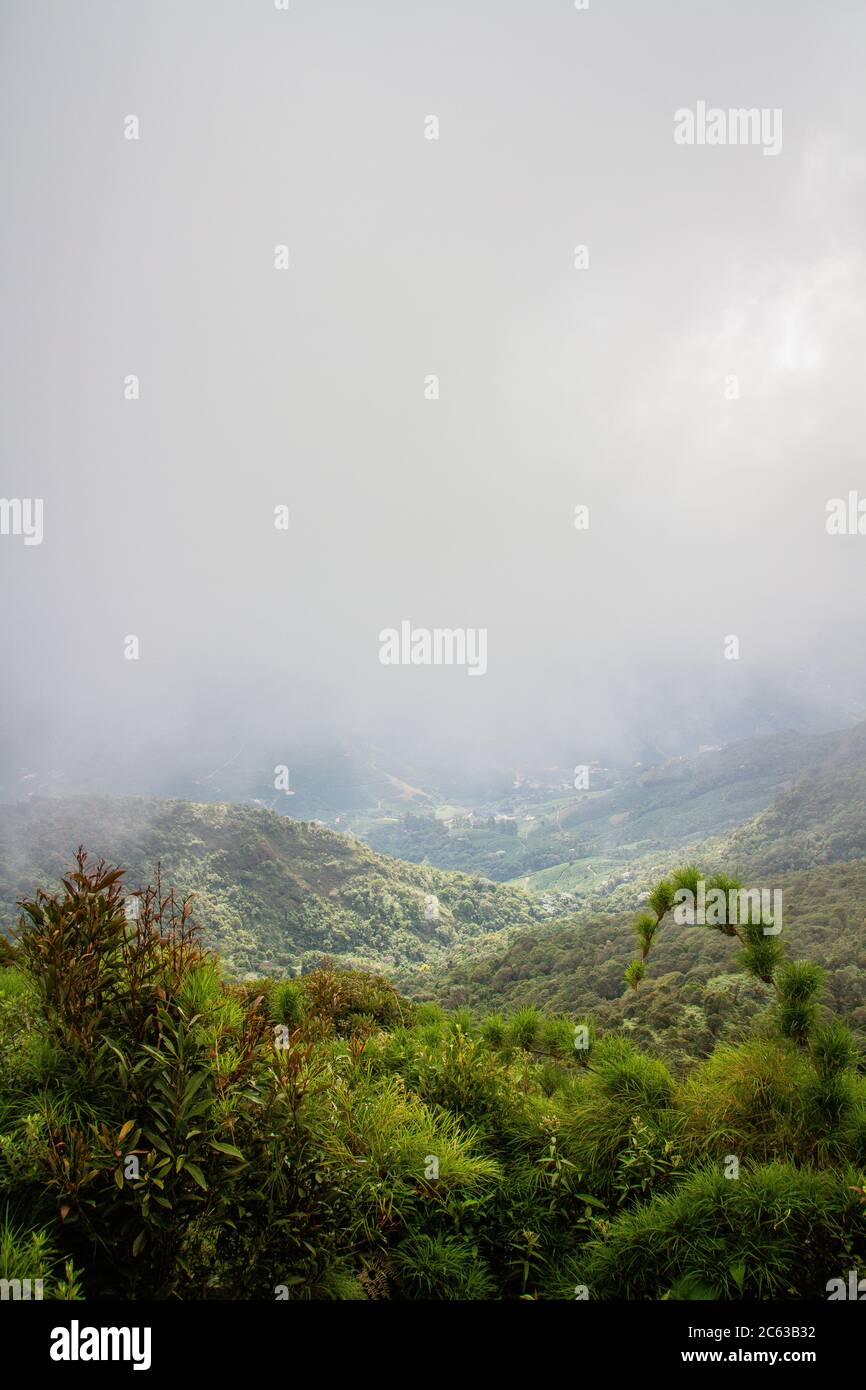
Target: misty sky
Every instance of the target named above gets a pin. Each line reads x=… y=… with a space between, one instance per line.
x=604 y=386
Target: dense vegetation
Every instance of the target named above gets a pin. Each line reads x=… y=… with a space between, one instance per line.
x=166 y=1133
x=697 y=994
x=272 y=894
x=488 y=846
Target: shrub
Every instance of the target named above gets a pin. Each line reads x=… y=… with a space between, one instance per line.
x=288 y=1003
x=441 y=1267
x=743 y=1239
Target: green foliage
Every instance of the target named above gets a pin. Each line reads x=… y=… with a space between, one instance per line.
x=493 y=1030
x=441 y=1267
x=29 y=1255
x=800 y=981
x=686 y=877
x=834 y=1049
x=646 y=927
x=634 y=973
x=287 y=1003
x=166 y=1132
x=761 y=956
x=621 y=1086
x=272 y=895
x=524 y=1028
x=798 y=984
x=774 y=1233
x=647 y=1164
x=767 y=1098
x=661 y=898
x=347 y=1000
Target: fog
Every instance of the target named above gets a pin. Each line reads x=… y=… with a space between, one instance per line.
x=697 y=383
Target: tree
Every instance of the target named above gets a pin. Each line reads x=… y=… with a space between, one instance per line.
x=734 y=912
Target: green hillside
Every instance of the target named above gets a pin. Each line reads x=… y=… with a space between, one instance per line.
x=272 y=895
x=585 y=842
x=821 y=819
x=810 y=843
x=816 y=817
x=701 y=795
x=501 y=850
x=696 y=996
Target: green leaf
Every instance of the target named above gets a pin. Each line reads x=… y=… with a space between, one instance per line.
x=226 y=1149
x=197 y=1174
x=192 y=1086
x=157 y=1142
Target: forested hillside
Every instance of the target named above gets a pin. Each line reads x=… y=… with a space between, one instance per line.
x=697 y=995
x=272 y=894
x=584 y=841
x=810 y=844
x=818 y=818
x=821 y=819
x=693 y=797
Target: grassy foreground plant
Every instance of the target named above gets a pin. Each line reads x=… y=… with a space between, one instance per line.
x=164 y=1133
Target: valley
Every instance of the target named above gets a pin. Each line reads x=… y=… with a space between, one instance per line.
x=533 y=888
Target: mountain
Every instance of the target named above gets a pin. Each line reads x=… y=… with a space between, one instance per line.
x=272 y=894
x=810 y=843
x=810 y=793
x=821 y=819
x=700 y=794
x=275 y=895
x=578 y=841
